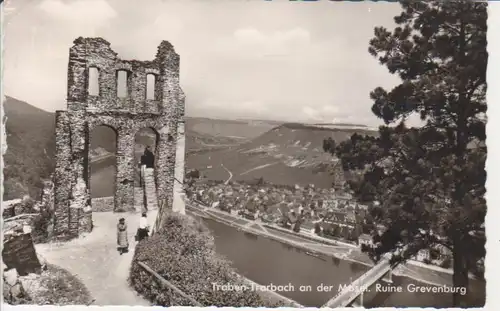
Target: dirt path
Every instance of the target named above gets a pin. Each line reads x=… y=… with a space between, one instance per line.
x=230 y=174
x=95 y=260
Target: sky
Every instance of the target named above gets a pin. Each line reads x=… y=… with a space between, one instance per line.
x=280 y=60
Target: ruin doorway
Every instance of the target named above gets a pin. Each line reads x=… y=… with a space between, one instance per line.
x=145 y=137
x=102 y=161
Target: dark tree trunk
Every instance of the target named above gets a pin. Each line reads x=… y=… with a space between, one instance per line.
x=460 y=273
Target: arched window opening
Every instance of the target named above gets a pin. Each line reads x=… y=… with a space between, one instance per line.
x=93 y=82
x=102 y=161
x=150 y=86
x=122 y=84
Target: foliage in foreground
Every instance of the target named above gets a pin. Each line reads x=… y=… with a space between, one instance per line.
x=56 y=286
x=183 y=253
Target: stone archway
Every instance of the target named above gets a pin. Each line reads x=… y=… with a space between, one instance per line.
x=126 y=114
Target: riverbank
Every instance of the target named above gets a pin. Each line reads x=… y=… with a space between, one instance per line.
x=101 y=158
x=418 y=272
x=269 y=262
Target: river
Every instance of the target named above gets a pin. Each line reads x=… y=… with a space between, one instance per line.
x=269 y=262
x=102 y=180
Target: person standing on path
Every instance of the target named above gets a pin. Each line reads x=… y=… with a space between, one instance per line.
x=143 y=231
x=122 y=238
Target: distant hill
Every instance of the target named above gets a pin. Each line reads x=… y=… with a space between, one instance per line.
x=288 y=154
x=239 y=129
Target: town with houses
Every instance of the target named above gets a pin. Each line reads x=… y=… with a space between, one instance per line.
x=327 y=213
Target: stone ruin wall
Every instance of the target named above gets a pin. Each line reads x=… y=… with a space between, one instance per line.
x=125 y=115
x=103 y=204
x=179 y=204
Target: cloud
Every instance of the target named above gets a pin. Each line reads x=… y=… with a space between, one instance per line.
x=331 y=110
x=256 y=106
x=216 y=107
x=280 y=39
x=255 y=43
x=277 y=43
x=325 y=113
x=89 y=12
x=244 y=59
x=311 y=113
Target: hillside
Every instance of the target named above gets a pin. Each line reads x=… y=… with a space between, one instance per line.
x=288 y=154
x=29 y=157
x=205 y=135
x=197 y=141
x=236 y=129
x=30 y=148
x=31 y=143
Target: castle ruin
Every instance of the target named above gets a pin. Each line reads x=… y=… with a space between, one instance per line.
x=126 y=115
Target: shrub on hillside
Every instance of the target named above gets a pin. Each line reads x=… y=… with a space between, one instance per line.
x=446 y=264
x=54 y=286
x=183 y=253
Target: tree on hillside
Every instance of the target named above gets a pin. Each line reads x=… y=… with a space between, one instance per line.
x=329 y=145
x=431 y=180
x=193 y=174
x=360 y=150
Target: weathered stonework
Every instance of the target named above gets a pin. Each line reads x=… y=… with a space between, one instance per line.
x=12 y=208
x=126 y=116
x=104 y=204
x=179 y=204
x=47 y=199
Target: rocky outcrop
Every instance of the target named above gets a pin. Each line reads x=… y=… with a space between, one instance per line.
x=13 y=290
x=37 y=216
x=19 y=257
x=18 y=249
x=16 y=207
